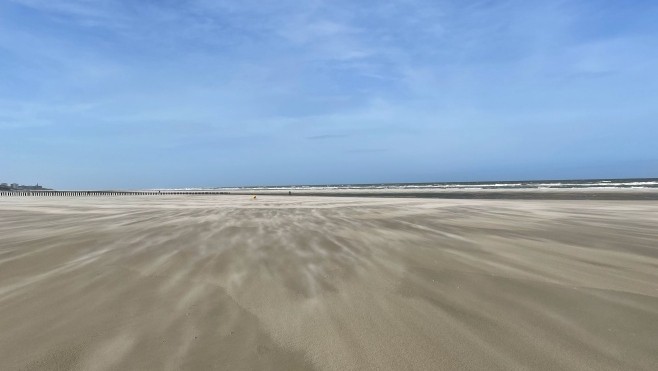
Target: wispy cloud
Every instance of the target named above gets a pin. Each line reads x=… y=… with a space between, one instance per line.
x=315 y=82
x=367 y=150
x=327 y=136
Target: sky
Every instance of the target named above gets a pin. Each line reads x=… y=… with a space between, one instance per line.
x=202 y=93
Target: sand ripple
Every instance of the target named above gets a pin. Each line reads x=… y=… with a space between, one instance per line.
x=328 y=283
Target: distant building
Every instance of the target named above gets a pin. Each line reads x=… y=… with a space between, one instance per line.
x=20 y=187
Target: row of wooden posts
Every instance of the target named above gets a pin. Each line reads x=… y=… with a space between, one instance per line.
x=107 y=193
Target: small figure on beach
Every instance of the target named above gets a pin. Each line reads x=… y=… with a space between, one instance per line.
x=289 y=193
x=254 y=197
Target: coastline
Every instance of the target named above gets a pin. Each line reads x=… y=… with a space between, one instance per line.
x=511 y=194
x=610 y=194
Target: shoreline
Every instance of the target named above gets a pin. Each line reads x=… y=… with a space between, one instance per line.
x=553 y=194
x=614 y=194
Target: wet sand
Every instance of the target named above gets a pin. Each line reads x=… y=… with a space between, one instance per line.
x=285 y=283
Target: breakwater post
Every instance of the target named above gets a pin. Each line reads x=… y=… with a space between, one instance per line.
x=51 y=193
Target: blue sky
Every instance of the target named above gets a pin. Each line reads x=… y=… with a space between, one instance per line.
x=131 y=94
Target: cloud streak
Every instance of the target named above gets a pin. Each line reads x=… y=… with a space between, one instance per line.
x=308 y=83
x=327 y=136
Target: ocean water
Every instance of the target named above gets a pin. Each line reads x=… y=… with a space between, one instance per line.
x=594 y=184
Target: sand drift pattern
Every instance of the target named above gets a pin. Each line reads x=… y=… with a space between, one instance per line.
x=327 y=283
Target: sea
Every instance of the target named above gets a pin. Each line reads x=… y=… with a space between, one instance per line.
x=571 y=189
x=579 y=184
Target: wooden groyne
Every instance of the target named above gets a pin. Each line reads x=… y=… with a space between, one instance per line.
x=106 y=193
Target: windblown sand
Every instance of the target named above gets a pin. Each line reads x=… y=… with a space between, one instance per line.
x=231 y=283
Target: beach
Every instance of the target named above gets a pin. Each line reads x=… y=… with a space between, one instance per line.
x=279 y=282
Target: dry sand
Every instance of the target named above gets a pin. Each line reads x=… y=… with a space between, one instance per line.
x=226 y=282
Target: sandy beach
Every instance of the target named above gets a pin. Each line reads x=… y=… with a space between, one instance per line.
x=326 y=283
